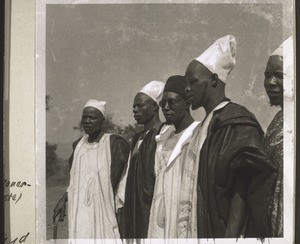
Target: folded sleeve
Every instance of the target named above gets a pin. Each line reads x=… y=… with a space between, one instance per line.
x=119 y=156
x=245 y=161
x=72 y=155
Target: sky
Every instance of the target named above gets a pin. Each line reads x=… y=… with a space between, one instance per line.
x=110 y=51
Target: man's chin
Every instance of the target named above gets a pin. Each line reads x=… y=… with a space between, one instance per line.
x=194 y=107
x=168 y=122
x=275 y=103
x=138 y=121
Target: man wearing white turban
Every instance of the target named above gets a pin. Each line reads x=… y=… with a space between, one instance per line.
x=274 y=77
x=96 y=166
x=136 y=188
x=232 y=163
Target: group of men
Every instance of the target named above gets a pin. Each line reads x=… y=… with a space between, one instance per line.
x=218 y=178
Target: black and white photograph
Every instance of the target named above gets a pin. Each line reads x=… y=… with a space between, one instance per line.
x=164 y=121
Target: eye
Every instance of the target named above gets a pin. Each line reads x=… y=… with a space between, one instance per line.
x=192 y=81
x=279 y=75
x=171 y=102
x=267 y=75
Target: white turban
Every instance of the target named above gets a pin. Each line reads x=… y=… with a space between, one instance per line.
x=288 y=57
x=154 y=89
x=219 y=58
x=278 y=51
x=100 y=105
x=285 y=50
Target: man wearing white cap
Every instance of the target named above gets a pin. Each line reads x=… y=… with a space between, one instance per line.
x=97 y=163
x=232 y=162
x=274 y=77
x=136 y=188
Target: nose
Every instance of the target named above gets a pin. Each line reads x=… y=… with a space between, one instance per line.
x=187 y=89
x=166 y=106
x=271 y=81
x=135 y=110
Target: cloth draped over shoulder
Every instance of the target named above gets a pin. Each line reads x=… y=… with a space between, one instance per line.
x=173 y=213
x=139 y=188
x=119 y=155
x=233 y=152
x=95 y=172
x=274 y=149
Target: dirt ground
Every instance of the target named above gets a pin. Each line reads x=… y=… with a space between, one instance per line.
x=56 y=186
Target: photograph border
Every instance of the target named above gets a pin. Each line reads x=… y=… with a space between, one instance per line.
x=289 y=128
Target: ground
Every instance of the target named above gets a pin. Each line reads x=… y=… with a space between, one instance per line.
x=56 y=186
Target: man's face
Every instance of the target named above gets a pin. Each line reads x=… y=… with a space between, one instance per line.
x=198 y=78
x=274 y=80
x=91 y=120
x=143 y=108
x=174 y=107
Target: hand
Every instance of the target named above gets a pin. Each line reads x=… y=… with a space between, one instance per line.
x=60 y=208
x=236 y=218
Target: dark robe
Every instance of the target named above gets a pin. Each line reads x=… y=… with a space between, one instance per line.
x=233 y=161
x=274 y=149
x=139 y=187
x=119 y=156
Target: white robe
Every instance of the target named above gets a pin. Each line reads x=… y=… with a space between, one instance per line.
x=164 y=215
x=91 y=207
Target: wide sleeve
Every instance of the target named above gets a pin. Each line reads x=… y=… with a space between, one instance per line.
x=119 y=157
x=72 y=155
x=244 y=160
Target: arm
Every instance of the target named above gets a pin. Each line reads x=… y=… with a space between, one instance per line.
x=251 y=189
x=60 y=208
x=237 y=211
x=119 y=157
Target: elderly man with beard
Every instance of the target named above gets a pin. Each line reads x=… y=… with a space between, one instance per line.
x=136 y=188
x=97 y=163
x=171 y=215
x=274 y=77
x=234 y=183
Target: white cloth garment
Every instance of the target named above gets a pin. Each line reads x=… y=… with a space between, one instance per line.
x=154 y=89
x=285 y=50
x=91 y=207
x=278 y=51
x=219 y=58
x=288 y=59
x=171 y=153
x=100 y=105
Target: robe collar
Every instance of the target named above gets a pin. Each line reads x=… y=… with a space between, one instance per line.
x=183 y=140
x=167 y=130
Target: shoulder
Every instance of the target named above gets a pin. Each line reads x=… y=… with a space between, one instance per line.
x=236 y=114
x=75 y=143
x=137 y=135
x=116 y=140
x=234 y=110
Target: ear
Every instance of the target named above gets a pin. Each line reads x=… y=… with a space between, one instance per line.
x=155 y=106
x=187 y=105
x=214 y=80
